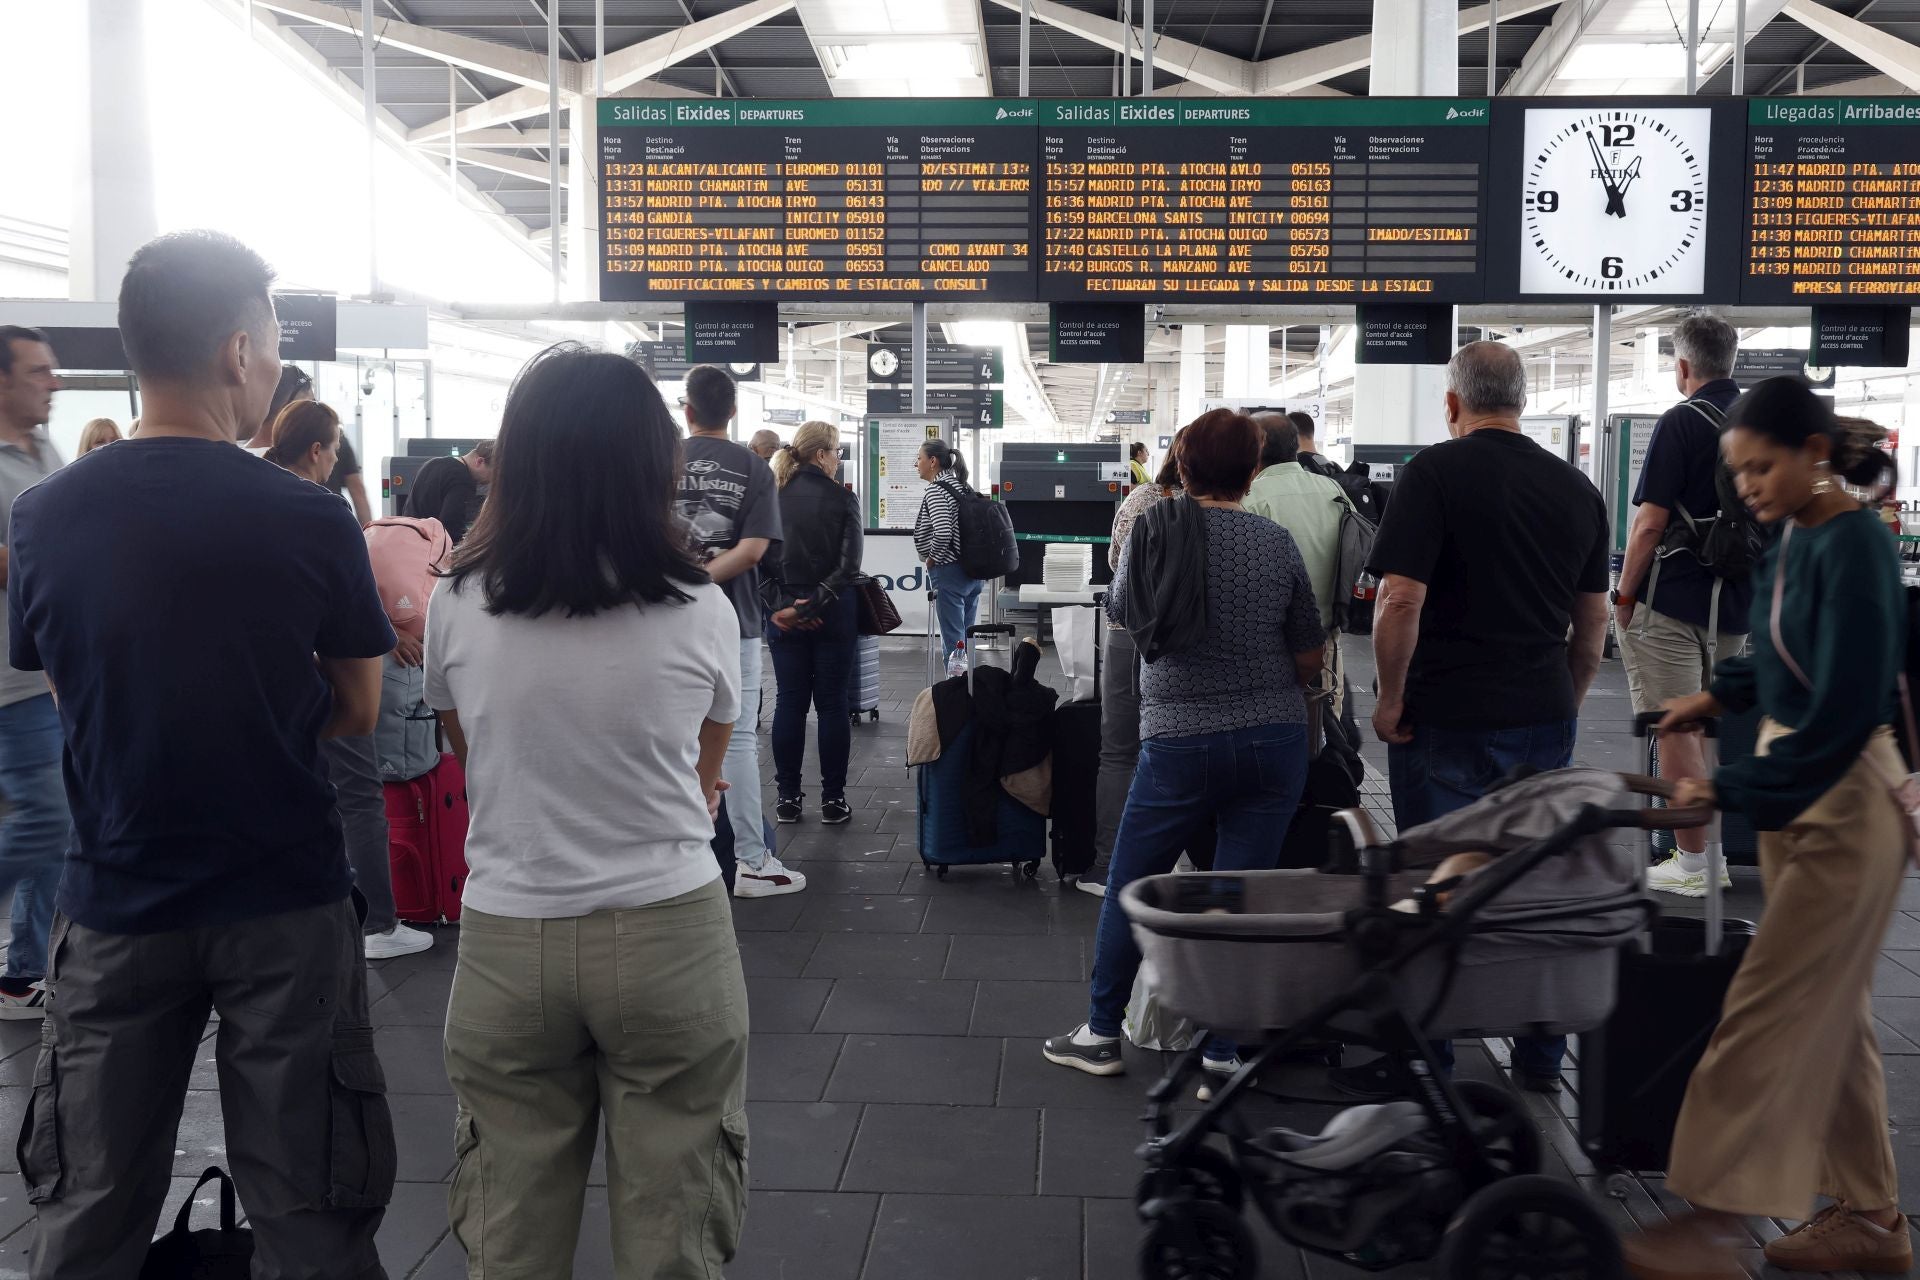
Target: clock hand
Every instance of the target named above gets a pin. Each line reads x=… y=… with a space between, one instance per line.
x=1614 y=206
x=1626 y=180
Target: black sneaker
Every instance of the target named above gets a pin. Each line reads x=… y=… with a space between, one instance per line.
x=789 y=809
x=836 y=811
x=1381 y=1080
x=1102 y=1058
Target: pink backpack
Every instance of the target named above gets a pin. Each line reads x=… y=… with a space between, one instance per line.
x=406 y=553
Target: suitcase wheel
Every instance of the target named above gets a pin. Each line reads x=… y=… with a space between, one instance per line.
x=940 y=873
x=874 y=715
x=1030 y=870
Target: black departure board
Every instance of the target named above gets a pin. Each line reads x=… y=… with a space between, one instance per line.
x=1270 y=199
x=917 y=200
x=1833 y=201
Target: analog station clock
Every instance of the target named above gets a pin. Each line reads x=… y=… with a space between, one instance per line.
x=1614 y=200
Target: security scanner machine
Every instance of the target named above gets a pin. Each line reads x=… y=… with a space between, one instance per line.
x=1061 y=493
x=396 y=479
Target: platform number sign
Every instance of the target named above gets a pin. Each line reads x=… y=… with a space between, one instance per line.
x=1615 y=200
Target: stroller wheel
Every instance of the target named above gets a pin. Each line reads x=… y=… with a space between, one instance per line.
x=1199 y=1241
x=1204 y=1175
x=1505 y=1130
x=1531 y=1228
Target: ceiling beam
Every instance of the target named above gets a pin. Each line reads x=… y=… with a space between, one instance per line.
x=1884 y=53
x=508 y=139
x=536 y=170
x=1865 y=87
x=636 y=62
x=516 y=65
x=1577 y=22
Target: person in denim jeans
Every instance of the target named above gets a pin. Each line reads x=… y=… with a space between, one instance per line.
x=1223 y=723
x=1492 y=610
x=33 y=839
x=936 y=537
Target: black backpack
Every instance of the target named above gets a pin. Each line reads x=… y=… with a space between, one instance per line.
x=987 y=546
x=1729 y=542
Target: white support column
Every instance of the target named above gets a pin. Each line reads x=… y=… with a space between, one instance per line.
x=1246 y=371
x=370 y=102
x=1415 y=53
x=554 y=229
x=583 y=197
x=113 y=206
x=1193 y=371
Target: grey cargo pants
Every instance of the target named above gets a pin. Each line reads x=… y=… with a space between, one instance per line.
x=302 y=1095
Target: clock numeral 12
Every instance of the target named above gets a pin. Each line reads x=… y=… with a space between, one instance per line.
x=1616 y=135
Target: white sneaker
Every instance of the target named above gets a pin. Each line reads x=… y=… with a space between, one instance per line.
x=397 y=941
x=772 y=879
x=1098 y=888
x=1671 y=877
x=27 y=1007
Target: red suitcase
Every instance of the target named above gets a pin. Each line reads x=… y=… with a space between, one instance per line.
x=427 y=840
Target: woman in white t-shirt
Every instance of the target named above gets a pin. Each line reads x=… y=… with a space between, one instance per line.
x=587 y=673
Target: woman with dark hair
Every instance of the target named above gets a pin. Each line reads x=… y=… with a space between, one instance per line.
x=447 y=488
x=1223 y=716
x=936 y=536
x=813 y=619
x=1790 y=1101
x=294 y=386
x=1120 y=685
x=587 y=672
x=1137 y=463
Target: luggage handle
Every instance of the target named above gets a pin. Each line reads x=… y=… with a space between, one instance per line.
x=1646 y=722
x=1669 y=819
x=228 y=1216
x=990 y=629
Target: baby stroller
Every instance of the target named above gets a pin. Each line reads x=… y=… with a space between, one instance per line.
x=1525 y=943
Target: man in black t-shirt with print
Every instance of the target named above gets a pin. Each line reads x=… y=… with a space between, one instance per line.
x=1675 y=625
x=1491 y=616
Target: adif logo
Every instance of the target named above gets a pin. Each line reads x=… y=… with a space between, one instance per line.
x=1022 y=113
x=1469 y=113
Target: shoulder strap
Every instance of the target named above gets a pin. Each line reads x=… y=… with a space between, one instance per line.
x=1708 y=410
x=402 y=522
x=1779 y=592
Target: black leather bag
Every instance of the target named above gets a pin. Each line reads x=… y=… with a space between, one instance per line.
x=224 y=1253
x=878 y=616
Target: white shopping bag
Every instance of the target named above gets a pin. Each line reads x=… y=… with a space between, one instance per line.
x=1148 y=1025
x=1076 y=638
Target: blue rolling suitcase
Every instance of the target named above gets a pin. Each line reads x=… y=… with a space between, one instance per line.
x=865 y=697
x=941 y=788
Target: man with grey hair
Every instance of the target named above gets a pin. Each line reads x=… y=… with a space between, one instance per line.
x=1489 y=625
x=765 y=443
x=1673 y=614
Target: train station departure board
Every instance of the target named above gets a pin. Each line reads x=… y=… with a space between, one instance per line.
x=1833 y=209
x=915 y=200
x=1267 y=200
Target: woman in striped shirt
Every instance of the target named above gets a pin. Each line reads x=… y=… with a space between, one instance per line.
x=936 y=537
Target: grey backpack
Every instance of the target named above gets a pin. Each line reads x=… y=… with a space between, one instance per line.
x=1350 y=565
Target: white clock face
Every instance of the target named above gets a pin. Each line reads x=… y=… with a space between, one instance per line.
x=883 y=362
x=1615 y=200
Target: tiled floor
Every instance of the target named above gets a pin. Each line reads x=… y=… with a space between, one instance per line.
x=904 y=1124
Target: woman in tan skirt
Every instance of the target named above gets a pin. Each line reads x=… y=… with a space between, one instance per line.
x=1789 y=1104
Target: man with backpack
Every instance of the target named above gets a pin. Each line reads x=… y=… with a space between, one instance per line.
x=1684 y=585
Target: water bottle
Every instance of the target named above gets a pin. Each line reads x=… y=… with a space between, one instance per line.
x=957 y=660
x=1360 y=607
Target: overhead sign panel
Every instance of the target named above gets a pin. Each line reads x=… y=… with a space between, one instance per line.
x=844 y=199
x=1275 y=200
x=968 y=406
x=1833 y=201
x=1096 y=333
x=892 y=362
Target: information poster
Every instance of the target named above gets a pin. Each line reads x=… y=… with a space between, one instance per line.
x=1262 y=198
x=846 y=199
x=1834 y=201
x=894 y=486
x=1632 y=433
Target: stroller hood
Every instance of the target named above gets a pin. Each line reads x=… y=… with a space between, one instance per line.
x=1590 y=887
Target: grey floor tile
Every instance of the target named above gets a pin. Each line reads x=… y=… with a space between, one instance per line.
x=868 y=876
x=879 y=955
x=1904 y=933
x=1029 y=1080
x=1902 y=1015
x=942 y=1070
x=800 y=1146
x=889 y=1006
x=975 y=1238
x=751 y=915
x=843 y=913
x=423 y=1134
x=1028 y=1010
x=420 y=1000
x=1111 y=1239
x=785 y=1004
x=790 y=1068
x=804 y=851
x=448 y=1261
x=776 y=955
x=793 y=1235
x=415 y=1223
x=945 y=1151
x=1087 y=1153
x=989 y=902
x=414 y=1058
x=1891 y=978
x=1017 y=957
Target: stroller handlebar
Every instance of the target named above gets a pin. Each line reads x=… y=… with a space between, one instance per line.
x=1647 y=721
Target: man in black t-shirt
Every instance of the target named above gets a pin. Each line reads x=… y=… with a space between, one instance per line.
x=348 y=481
x=1492 y=554
x=1675 y=625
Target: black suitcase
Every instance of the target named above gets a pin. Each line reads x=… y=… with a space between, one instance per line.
x=1739 y=737
x=1634 y=1069
x=1076 y=777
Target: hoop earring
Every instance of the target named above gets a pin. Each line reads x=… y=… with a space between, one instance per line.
x=1823 y=482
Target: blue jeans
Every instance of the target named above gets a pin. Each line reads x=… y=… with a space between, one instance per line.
x=742 y=766
x=814 y=668
x=957 y=603
x=33 y=840
x=1249 y=779
x=1442 y=770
